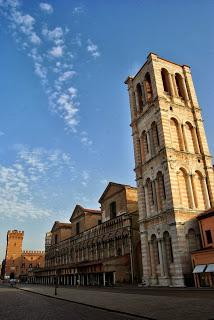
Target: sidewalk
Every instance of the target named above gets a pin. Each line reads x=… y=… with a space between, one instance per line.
x=150 y=306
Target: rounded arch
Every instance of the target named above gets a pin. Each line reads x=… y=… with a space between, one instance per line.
x=199 y=190
x=165 y=80
x=150 y=194
x=148 y=87
x=192 y=240
x=184 y=188
x=144 y=145
x=180 y=85
x=139 y=97
x=175 y=134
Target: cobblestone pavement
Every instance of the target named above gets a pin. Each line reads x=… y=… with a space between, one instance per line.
x=157 y=304
x=21 y=305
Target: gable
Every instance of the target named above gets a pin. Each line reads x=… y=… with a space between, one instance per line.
x=111 y=190
x=77 y=213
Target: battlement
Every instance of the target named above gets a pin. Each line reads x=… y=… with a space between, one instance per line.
x=33 y=252
x=15 y=233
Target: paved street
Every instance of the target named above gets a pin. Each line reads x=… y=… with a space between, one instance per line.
x=153 y=303
x=20 y=305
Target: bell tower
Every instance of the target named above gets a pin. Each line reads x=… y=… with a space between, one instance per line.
x=13 y=253
x=173 y=167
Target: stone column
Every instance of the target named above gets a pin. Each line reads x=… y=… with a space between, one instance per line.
x=206 y=195
x=165 y=262
x=192 y=203
x=172 y=91
x=186 y=97
x=185 y=138
x=148 y=137
x=181 y=137
x=160 y=257
x=196 y=144
x=152 y=258
x=174 y=84
x=158 y=195
x=194 y=190
x=147 y=201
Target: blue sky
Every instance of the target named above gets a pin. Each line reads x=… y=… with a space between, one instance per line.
x=64 y=113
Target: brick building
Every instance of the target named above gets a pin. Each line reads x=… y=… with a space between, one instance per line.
x=203 y=260
x=97 y=247
x=17 y=261
x=173 y=167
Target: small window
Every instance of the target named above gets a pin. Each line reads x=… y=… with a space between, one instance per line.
x=99 y=221
x=113 y=210
x=77 y=228
x=209 y=236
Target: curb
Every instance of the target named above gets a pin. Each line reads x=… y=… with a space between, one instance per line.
x=90 y=305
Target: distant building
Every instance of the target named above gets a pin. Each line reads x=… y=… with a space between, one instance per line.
x=17 y=261
x=96 y=247
x=203 y=260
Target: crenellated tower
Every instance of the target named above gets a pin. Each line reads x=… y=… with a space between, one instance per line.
x=13 y=253
x=173 y=167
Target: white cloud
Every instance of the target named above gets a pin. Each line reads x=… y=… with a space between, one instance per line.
x=78 y=10
x=46 y=7
x=56 y=52
x=93 y=49
x=2 y=133
x=35 y=39
x=67 y=75
x=85 y=140
x=85 y=177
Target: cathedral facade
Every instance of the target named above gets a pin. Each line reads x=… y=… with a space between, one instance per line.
x=173 y=167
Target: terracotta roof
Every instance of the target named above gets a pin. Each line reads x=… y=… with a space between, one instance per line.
x=207 y=213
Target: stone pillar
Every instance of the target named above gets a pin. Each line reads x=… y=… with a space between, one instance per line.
x=152 y=258
x=158 y=195
x=174 y=84
x=114 y=278
x=145 y=255
x=147 y=201
x=148 y=137
x=181 y=137
x=165 y=262
x=189 y=182
x=196 y=144
x=206 y=195
x=160 y=258
x=172 y=91
x=185 y=138
x=186 y=97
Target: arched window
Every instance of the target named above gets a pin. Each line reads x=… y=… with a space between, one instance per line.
x=155 y=136
x=175 y=134
x=161 y=192
x=139 y=97
x=148 y=87
x=154 y=243
x=191 y=143
x=151 y=199
x=192 y=240
x=144 y=145
x=165 y=78
x=179 y=85
x=199 y=192
x=183 y=188
x=168 y=246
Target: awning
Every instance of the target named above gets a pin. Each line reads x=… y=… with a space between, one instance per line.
x=210 y=267
x=199 y=268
